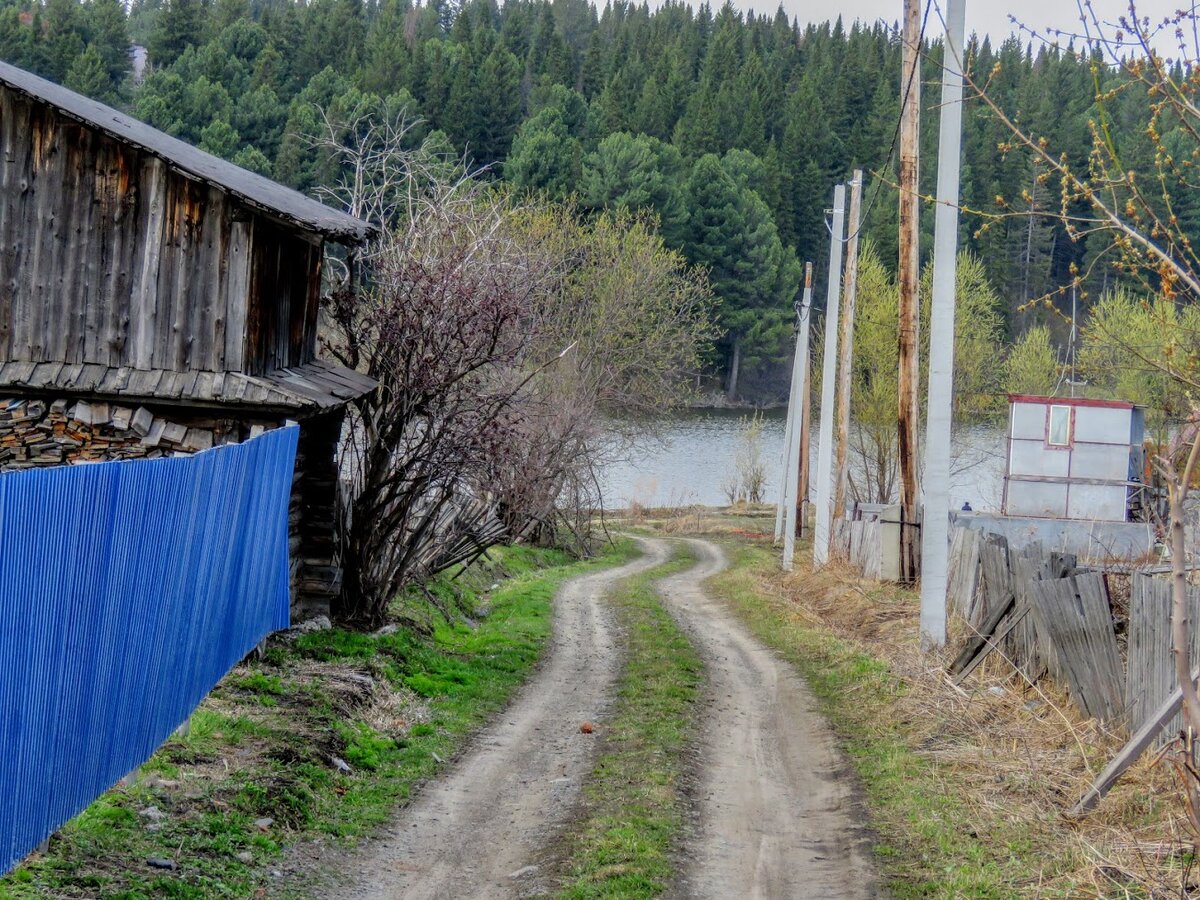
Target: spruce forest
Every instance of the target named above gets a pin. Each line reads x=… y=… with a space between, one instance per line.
x=730 y=128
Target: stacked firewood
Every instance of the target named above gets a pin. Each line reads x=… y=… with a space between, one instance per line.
x=35 y=432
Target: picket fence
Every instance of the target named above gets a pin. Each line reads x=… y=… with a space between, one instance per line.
x=127 y=590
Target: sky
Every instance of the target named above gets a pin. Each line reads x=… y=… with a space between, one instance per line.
x=989 y=16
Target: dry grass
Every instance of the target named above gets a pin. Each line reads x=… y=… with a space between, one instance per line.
x=1012 y=755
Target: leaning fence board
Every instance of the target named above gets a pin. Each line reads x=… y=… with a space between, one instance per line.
x=866 y=547
x=1150 y=675
x=1075 y=613
x=995 y=580
x=963 y=572
x=1030 y=649
x=981 y=638
x=1136 y=746
x=991 y=644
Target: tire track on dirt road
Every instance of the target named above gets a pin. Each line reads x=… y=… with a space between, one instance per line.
x=495 y=811
x=778 y=812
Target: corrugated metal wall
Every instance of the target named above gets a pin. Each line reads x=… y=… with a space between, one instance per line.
x=127 y=590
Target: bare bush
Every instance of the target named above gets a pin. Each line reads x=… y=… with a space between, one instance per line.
x=747 y=481
x=498 y=331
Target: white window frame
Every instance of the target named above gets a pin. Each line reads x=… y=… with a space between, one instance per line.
x=1070 y=413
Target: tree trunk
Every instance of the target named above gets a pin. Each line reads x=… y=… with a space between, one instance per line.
x=734 y=365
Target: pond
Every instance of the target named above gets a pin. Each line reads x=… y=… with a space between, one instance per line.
x=687 y=457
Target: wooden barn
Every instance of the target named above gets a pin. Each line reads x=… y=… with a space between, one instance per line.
x=157 y=300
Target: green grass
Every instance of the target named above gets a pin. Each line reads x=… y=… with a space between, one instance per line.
x=634 y=800
x=262 y=745
x=925 y=847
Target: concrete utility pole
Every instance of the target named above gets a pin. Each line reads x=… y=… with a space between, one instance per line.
x=785 y=469
x=935 y=537
x=828 y=374
x=784 y=474
x=846 y=365
x=791 y=463
x=805 y=417
x=909 y=278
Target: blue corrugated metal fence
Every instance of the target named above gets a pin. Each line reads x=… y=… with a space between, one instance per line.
x=127 y=590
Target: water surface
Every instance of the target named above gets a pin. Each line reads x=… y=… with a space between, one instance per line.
x=689 y=455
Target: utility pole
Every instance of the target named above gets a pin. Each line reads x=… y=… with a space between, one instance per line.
x=909 y=278
x=785 y=468
x=846 y=348
x=800 y=369
x=805 y=416
x=935 y=529
x=785 y=474
x=828 y=374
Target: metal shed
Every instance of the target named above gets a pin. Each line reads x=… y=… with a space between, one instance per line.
x=1073 y=458
x=157 y=300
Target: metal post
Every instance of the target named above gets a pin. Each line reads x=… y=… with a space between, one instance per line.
x=935 y=531
x=909 y=278
x=846 y=348
x=792 y=462
x=828 y=374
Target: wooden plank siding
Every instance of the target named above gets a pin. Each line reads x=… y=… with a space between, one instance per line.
x=111 y=257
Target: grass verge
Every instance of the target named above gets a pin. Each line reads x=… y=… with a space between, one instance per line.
x=966 y=788
x=634 y=797
x=322 y=737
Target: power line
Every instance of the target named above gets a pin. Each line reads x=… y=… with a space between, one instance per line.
x=896 y=131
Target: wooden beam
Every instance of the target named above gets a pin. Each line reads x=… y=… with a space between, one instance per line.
x=977 y=643
x=991 y=643
x=909 y=280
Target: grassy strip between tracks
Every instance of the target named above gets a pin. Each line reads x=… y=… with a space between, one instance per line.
x=319 y=739
x=634 y=798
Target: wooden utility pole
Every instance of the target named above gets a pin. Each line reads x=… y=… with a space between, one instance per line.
x=805 y=415
x=800 y=369
x=909 y=278
x=846 y=363
x=828 y=375
x=935 y=538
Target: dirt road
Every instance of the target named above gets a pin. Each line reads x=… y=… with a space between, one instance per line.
x=481 y=830
x=777 y=812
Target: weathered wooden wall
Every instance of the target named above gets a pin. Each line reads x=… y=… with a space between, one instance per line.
x=110 y=256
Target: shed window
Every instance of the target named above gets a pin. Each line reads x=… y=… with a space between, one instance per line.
x=1058 y=432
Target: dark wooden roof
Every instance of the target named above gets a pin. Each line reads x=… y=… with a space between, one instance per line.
x=255 y=190
x=310 y=388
